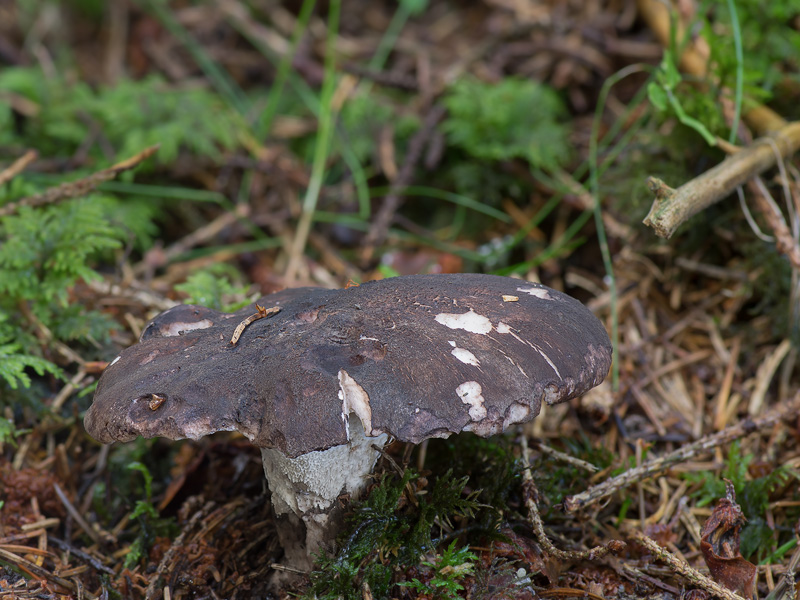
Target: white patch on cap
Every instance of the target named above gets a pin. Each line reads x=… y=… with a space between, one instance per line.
x=551 y=394
x=470 y=393
x=503 y=328
x=354 y=400
x=174 y=329
x=465 y=356
x=364 y=337
x=516 y=413
x=538 y=292
x=468 y=321
x=113 y=362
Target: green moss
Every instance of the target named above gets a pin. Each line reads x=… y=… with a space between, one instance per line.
x=508 y=119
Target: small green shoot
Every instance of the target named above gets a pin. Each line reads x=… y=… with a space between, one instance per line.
x=322 y=146
x=7 y=433
x=405 y=10
x=662 y=94
x=149 y=521
x=214 y=287
x=449 y=567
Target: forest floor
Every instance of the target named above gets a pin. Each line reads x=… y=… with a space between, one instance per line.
x=153 y=153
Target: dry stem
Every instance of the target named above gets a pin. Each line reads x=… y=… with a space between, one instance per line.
x=34 y=569
x=177 y=544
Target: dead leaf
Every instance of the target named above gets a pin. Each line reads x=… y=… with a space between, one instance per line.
x=720 y=546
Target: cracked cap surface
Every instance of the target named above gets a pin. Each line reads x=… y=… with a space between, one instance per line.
x=414 y=357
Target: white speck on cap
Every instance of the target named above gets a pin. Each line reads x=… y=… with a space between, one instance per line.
x=465 y=356
x=174 y=329
x=468 y=321
x=538 y=292
x=470 y=393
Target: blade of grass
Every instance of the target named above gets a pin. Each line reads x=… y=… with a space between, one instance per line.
x=594 y=187
x=221 y=81
x=452 y=197
x=737 y=42
x=284 y=68
x=359 y=180
x=609 y=157
x=398 y=236
x=233 y=249
x=566 y=243
x=522 y=232
x=163 y=191
x=297 y=84
x=179 y=193
x=399 y=19
x=321 y=149
x=457 y=223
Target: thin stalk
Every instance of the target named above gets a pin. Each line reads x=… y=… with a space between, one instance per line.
x=284 y=68
x=219 y=78
x=602 y=240
x=737 y=42
x=389 y=38
x=321 y=149
x=437 y=194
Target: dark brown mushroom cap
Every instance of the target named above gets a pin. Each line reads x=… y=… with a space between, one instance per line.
x=415 y=357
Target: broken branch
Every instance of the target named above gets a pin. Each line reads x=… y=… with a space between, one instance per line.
x=672 y=207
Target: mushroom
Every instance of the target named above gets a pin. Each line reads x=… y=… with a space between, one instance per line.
x=322 y=379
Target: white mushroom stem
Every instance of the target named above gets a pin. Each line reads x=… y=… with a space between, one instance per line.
x=307 y=487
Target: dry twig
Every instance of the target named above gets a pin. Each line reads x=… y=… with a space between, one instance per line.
x=672 y=207
x=380 y=225
x=76 y=189
x=18 y=166
x=73 y=512
x=36 y=570
x=530 y=493
x=562 y=456
x=784 y=240
x=683 y=569
x=662 y=463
